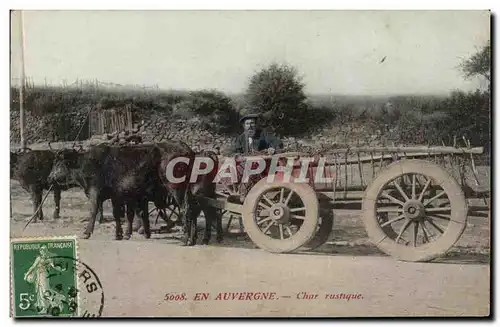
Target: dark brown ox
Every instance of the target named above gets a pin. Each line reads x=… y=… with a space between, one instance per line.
x=32 y=170
x=130 y=176
x=204 y=186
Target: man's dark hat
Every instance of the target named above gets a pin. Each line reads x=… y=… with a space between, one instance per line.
x=248 y=116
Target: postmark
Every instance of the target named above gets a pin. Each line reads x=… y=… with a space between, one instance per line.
x=49 y=280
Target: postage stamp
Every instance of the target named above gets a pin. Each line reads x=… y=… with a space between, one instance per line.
x=48 y=280
x=43 y=285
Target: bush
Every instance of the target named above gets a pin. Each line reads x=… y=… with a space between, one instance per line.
x=214 y=108
x=437 y=120
x=278 y=93
x=469 y=116
x=223 y=122
x=309 y=119
x=417 y=127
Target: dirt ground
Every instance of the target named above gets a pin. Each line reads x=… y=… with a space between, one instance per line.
x=456 y=284
x=348 y=235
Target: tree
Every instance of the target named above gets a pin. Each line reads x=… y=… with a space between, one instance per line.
x=478 y=64
x=277 y=92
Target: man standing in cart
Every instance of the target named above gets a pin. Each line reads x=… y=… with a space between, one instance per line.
x=254 y=138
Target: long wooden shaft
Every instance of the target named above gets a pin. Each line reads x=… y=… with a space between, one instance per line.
x=22 y=118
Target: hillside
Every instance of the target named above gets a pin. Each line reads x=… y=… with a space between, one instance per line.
x=209 y=118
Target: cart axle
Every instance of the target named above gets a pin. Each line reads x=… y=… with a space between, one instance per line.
x=414 y=210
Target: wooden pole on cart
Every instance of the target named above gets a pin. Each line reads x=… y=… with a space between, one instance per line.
x=22 y=119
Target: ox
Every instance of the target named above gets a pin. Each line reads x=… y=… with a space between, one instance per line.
x=202 y=186
x=130 y=176
x=32 y=170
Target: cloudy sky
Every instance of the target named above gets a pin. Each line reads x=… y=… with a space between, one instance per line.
x=336 y=52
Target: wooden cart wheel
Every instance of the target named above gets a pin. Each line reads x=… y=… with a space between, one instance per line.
x=172 y=210
x=271 y=221
x=325 y=226
x=401 y=216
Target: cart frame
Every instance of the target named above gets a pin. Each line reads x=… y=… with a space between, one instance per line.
x=420 y=187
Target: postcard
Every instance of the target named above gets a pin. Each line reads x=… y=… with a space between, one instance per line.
x=320 y=163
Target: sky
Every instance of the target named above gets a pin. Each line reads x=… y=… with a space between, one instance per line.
x=335 y=52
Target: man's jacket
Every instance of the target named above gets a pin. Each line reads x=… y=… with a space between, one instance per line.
x=261 y=140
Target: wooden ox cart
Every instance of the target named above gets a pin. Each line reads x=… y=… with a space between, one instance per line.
x=413 y=200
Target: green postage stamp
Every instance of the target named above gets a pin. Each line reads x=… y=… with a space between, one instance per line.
x=43 y=278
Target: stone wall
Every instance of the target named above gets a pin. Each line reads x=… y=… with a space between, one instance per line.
x=152 y=125
x=49 y=128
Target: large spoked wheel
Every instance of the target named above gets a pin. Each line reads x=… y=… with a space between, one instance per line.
x=280 y=217
x=414 y=211
x=171 y=211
